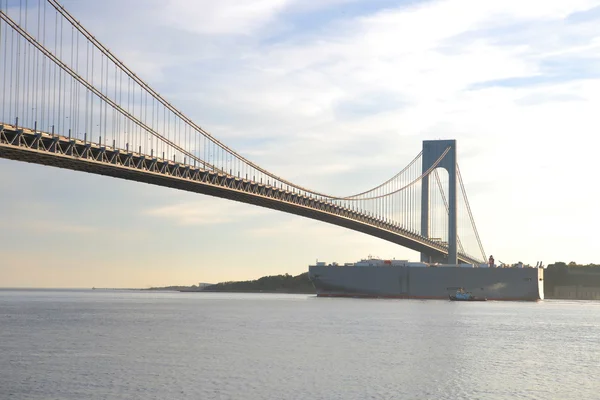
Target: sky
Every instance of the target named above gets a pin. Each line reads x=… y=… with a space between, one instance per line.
x=337 y=96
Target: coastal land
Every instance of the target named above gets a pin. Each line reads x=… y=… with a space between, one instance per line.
x=287 y=283
x=572 y=281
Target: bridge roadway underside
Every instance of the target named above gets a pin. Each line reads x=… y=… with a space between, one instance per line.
x=43 y=157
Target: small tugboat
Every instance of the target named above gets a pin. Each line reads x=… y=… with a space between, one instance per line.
x=462 y=295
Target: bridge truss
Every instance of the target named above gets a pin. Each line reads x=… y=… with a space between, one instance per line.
x=69 y=102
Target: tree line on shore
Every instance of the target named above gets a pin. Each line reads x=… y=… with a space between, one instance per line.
x=267 y=284
x=571 y=274
x=560 y=264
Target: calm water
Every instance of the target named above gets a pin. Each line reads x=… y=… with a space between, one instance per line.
x=140 y=345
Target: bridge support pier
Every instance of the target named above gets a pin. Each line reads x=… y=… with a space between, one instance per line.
x=432 y=151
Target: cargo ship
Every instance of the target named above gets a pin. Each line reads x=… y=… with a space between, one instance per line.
x=402 y=279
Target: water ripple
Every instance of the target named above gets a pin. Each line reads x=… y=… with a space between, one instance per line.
x=138 y=345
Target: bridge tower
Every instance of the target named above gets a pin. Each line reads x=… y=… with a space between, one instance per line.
x=432 y=151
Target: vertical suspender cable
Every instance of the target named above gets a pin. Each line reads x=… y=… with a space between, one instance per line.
x=4 y=36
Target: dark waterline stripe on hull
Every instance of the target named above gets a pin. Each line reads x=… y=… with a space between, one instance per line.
x=405 y=297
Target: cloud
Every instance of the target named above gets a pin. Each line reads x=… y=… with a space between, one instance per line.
x=292 y=225
x=386 y=70
x=48 y=227
x=206 y=212
x=345 y=105
x=222 y=17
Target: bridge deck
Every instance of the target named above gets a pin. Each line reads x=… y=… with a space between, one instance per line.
x=80 y=155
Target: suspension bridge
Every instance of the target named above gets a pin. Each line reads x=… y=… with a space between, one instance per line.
x=69 y=102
